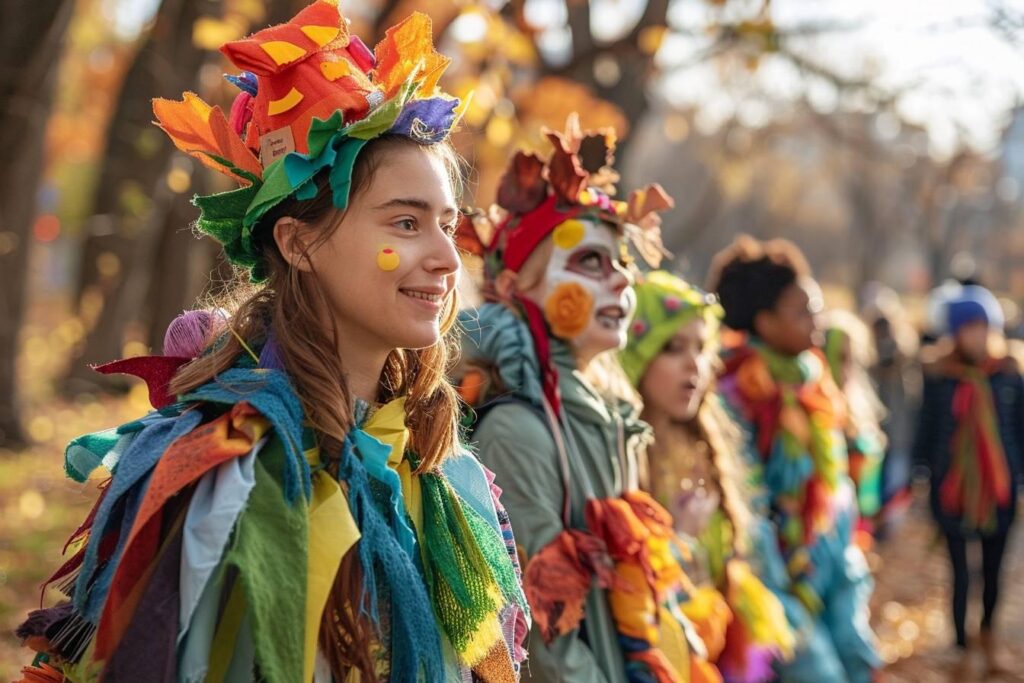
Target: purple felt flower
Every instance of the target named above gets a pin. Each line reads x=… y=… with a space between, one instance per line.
x=426 y=121
x=672 y=304
x=639 y=327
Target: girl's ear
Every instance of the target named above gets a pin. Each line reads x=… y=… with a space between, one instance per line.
x=290 y=235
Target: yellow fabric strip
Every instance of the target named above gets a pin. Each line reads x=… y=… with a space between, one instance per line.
x=332 y=533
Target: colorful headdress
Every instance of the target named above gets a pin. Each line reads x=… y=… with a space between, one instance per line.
x=664 y=303
x=312 y=96
x=577 y=180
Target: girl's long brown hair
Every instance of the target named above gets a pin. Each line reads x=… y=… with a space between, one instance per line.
x=725 y=442
x=290 y=303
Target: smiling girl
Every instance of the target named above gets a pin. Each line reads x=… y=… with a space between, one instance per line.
x=299 y=507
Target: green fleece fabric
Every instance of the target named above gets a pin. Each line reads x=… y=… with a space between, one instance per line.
x=270 y=553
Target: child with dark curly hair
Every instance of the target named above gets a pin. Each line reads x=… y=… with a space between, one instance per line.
x=778 y=386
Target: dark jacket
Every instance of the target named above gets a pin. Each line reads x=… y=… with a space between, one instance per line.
x=936 y=425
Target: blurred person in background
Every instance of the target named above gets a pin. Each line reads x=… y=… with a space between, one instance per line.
x=778 y=384
x=970 y=435
x=849 y=351
x=896 y=378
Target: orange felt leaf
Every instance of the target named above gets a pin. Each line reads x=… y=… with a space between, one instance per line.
x=44 y=673
x=466 y=236
x=703 y=671
x=650 y=199
x=613 y=520
x=409 y=46
x=557 y=579
x=522 y=187
x=203 y=132
x=565 y=174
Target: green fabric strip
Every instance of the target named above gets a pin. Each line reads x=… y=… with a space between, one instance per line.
x=270 y=553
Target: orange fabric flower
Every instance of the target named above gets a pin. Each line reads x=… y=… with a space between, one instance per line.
x=567 y=309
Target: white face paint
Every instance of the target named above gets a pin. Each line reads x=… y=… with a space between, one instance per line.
x=586 y=258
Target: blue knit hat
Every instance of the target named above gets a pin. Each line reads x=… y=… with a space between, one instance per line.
x=971 y=304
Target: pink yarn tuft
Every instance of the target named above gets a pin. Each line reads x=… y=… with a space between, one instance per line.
x=241 y=112
x=188 y=334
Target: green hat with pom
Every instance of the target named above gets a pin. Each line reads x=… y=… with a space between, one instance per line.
x=665 y=303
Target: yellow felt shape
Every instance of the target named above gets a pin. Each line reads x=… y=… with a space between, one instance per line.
x=332 y=533
x=282 y=105
x=672 y=640
x=332 y=71
x=282 y=52
x=568 y=234
x=203 y=132
x=321 y=35
x=710 y=615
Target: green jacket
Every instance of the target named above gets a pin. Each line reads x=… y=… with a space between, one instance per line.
x=514 y=440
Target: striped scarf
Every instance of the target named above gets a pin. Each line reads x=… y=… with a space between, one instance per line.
x=978 y=481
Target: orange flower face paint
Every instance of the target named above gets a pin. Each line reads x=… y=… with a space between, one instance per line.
x=568 y=309
x=387 y=259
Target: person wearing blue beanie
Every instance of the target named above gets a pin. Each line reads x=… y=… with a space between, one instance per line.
x=973 y=304
x=971 y=436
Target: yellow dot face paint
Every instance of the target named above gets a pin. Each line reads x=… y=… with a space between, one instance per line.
x=568 y=234
x=387 y=259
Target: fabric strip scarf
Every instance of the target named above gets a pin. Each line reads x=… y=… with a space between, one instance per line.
x=794 y=406
x=978 y=480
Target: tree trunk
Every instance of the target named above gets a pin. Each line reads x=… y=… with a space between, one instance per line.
x=135 y=162
x=31 y=36
x=161 y=268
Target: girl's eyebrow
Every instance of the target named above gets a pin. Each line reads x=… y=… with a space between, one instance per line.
x=415 y=203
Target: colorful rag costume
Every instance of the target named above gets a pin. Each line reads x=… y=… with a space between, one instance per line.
x=757 y=632
x=791 y=410
x=971 y=435
x=865 y=443
x=214 y=547
x=603 y=577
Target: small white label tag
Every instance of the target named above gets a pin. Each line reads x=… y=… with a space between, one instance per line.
x=276 y=144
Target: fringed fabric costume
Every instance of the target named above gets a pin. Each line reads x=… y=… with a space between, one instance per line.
x=755 y=633
x=792 y=411
x=603 y=578
x=215 y=542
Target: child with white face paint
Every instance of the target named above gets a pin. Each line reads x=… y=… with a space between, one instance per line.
x=601 y=578
x=585 y=291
